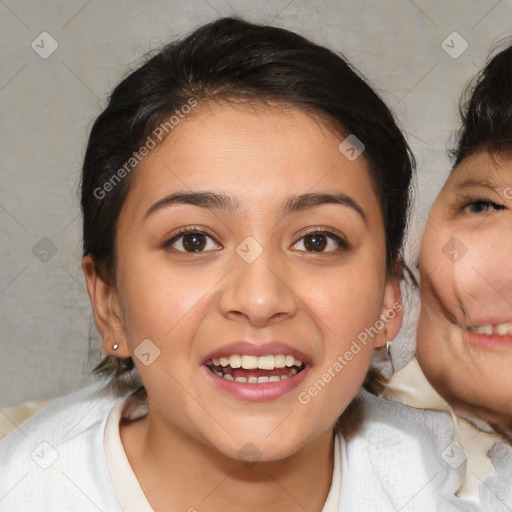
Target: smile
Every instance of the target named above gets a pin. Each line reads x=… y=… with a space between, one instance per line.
x=504 y=329
x=490 y=336
x=252 y=369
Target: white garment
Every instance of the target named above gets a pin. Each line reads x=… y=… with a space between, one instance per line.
x=56 y=460
x=127 y=488
x=410 y=386
x=12 y=416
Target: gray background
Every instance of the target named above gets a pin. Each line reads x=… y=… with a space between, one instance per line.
x=48 y=105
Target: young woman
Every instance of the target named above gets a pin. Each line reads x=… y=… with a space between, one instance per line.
x=464 y=336
x=244 y=198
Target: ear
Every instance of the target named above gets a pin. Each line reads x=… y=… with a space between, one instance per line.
x=392 y=311
x=106 y=309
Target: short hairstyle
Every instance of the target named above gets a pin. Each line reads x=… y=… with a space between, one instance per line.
x=486 y=110
x=232 y=60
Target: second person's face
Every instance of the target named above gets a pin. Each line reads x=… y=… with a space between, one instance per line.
x=464 y=342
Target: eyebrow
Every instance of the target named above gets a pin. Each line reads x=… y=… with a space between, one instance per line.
x=292 y=204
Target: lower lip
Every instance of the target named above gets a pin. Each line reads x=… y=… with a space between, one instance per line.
x=486 y=341
x=263 y=392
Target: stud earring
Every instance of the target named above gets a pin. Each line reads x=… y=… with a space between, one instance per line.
x=115 y=346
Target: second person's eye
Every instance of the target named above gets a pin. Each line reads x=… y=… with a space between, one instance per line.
x=482 y=206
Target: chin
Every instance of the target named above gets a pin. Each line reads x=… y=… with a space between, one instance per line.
x=261 y=447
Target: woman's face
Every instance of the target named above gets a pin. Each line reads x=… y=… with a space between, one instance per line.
x=465 y=328
x=218 y=288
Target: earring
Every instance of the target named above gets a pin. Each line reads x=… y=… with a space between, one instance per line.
x=115 y=346
x=388 y=345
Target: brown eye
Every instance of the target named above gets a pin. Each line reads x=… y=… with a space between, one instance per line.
x=194 y=242
x=319 y=241
x=316 y=242
x=190 y=241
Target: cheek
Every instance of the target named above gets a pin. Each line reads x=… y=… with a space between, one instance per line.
x=469 y=263
x=156 y=297
x=347 y=306
x=440 y=261
x=447 y=261
x=478 y=279
x=489 y=257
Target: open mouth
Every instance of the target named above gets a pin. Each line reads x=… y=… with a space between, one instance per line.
x=496 y=336
x=252 y=369
x=504 y=329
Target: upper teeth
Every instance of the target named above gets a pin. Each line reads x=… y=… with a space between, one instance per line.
x=247 y=362
x=500 y=329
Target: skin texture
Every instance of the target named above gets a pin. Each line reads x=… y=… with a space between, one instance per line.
x=469 y=287
x=186 y=449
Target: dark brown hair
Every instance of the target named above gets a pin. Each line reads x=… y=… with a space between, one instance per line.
x=486 y=110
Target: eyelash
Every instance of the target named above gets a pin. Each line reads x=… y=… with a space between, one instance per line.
x=340 y=240
x=472 y=202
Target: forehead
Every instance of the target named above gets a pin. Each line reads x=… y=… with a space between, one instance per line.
x=251 y=152
x=482 y=166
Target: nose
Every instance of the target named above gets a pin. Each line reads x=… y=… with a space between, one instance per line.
x=258 y=292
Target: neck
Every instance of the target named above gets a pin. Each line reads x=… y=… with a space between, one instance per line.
x=178 y=472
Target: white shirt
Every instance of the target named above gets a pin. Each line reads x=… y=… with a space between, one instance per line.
x=410 y=386
x=69 y=457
